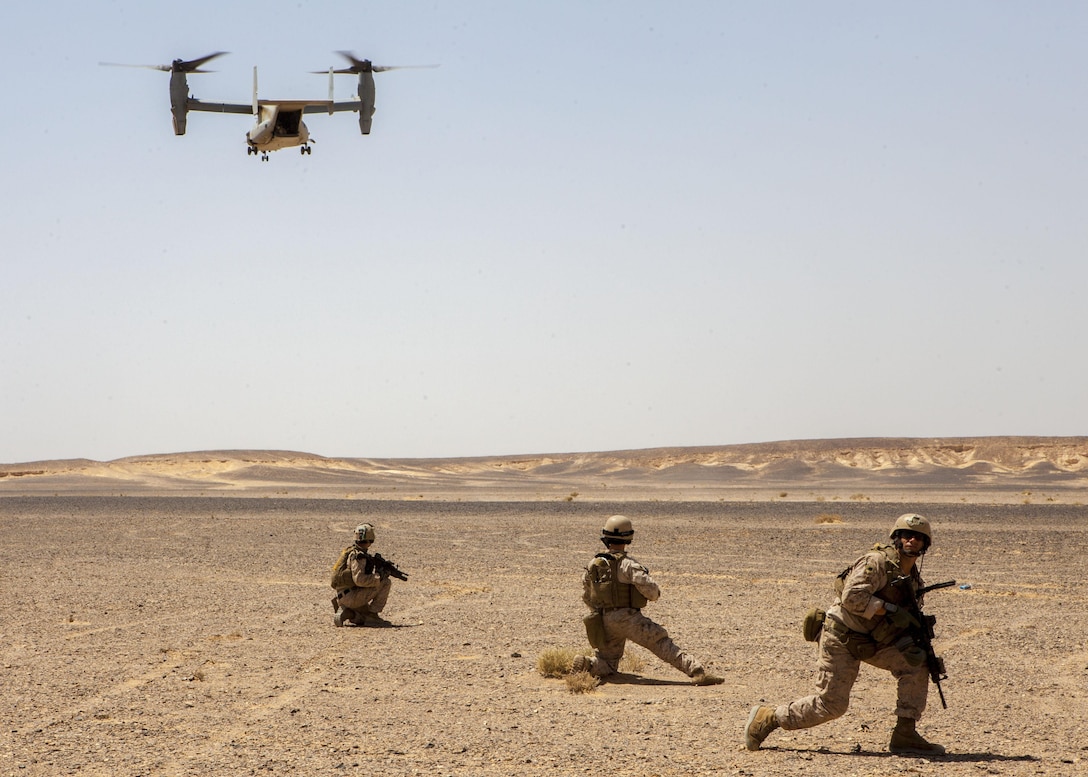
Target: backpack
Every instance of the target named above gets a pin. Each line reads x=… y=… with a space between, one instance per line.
x=341 y=570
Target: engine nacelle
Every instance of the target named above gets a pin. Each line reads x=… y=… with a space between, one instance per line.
x=179 y=100
x=366 y=101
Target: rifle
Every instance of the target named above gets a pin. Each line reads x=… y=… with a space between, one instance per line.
x=935 y=586
x=385 y=567
x=922 y=634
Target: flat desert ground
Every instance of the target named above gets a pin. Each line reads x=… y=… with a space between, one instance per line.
x=186 y=636
x=192 y=635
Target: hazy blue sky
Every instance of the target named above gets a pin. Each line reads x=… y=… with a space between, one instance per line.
x=598 y=225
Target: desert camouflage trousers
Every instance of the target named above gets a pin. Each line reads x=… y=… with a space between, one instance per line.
x=837 y=671
x=367 y=600
x=627 y=623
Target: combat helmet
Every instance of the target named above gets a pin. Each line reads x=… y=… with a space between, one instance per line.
x=617 y=531
x=913 y=522
x=364 y=532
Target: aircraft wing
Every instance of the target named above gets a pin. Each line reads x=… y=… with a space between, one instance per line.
x=306 y=106
x=326 y=107
x=312 y=106
x=197 y=105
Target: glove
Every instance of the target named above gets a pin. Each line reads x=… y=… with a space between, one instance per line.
x=900 y=618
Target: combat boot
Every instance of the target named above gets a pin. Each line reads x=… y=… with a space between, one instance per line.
x=579 y=664
x=343 y=617
x=371 y=619
x=906 y=740
x=761 y=722
x=703 y=677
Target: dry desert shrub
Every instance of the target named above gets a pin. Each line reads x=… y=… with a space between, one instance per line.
x=829 y=518
x=556 y=661
x=584 y=682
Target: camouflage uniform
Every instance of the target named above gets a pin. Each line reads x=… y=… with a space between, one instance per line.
x=628 y=623
x=371 y=590
x=870 y=621
x=361 y=591
x=855 y=611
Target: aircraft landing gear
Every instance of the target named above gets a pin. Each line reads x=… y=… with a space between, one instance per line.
x=305 y=150
x=264 y=157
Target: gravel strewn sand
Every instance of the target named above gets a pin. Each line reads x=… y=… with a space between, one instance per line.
x=193 y=636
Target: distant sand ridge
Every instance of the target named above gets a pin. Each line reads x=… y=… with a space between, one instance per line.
x=1002 y=468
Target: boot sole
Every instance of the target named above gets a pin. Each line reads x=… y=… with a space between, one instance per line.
x=915 y=751
x=703 y=683
x=749 y=740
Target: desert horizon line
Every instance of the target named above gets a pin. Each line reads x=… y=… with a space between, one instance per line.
x=856 y=442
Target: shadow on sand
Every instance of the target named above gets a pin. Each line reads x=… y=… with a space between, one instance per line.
x=947 y=757
x=620 y=678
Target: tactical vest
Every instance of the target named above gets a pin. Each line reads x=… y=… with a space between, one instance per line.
x=341 y=570
x=605 y=590
x=889 y=593
x=885 y=633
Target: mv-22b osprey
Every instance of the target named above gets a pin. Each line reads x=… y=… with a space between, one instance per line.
x=279 y=122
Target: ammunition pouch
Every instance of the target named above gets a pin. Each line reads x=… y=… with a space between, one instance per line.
x=813 y=624
x=594 y=623
x=860 y=646
x=887 y=632
x=914 y=654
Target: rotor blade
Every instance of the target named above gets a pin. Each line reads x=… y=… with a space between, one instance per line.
x=178 y=65
x=383 y=68
x=357 y=65
x=165 y=68
x=193 y=65
x=365 y=65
